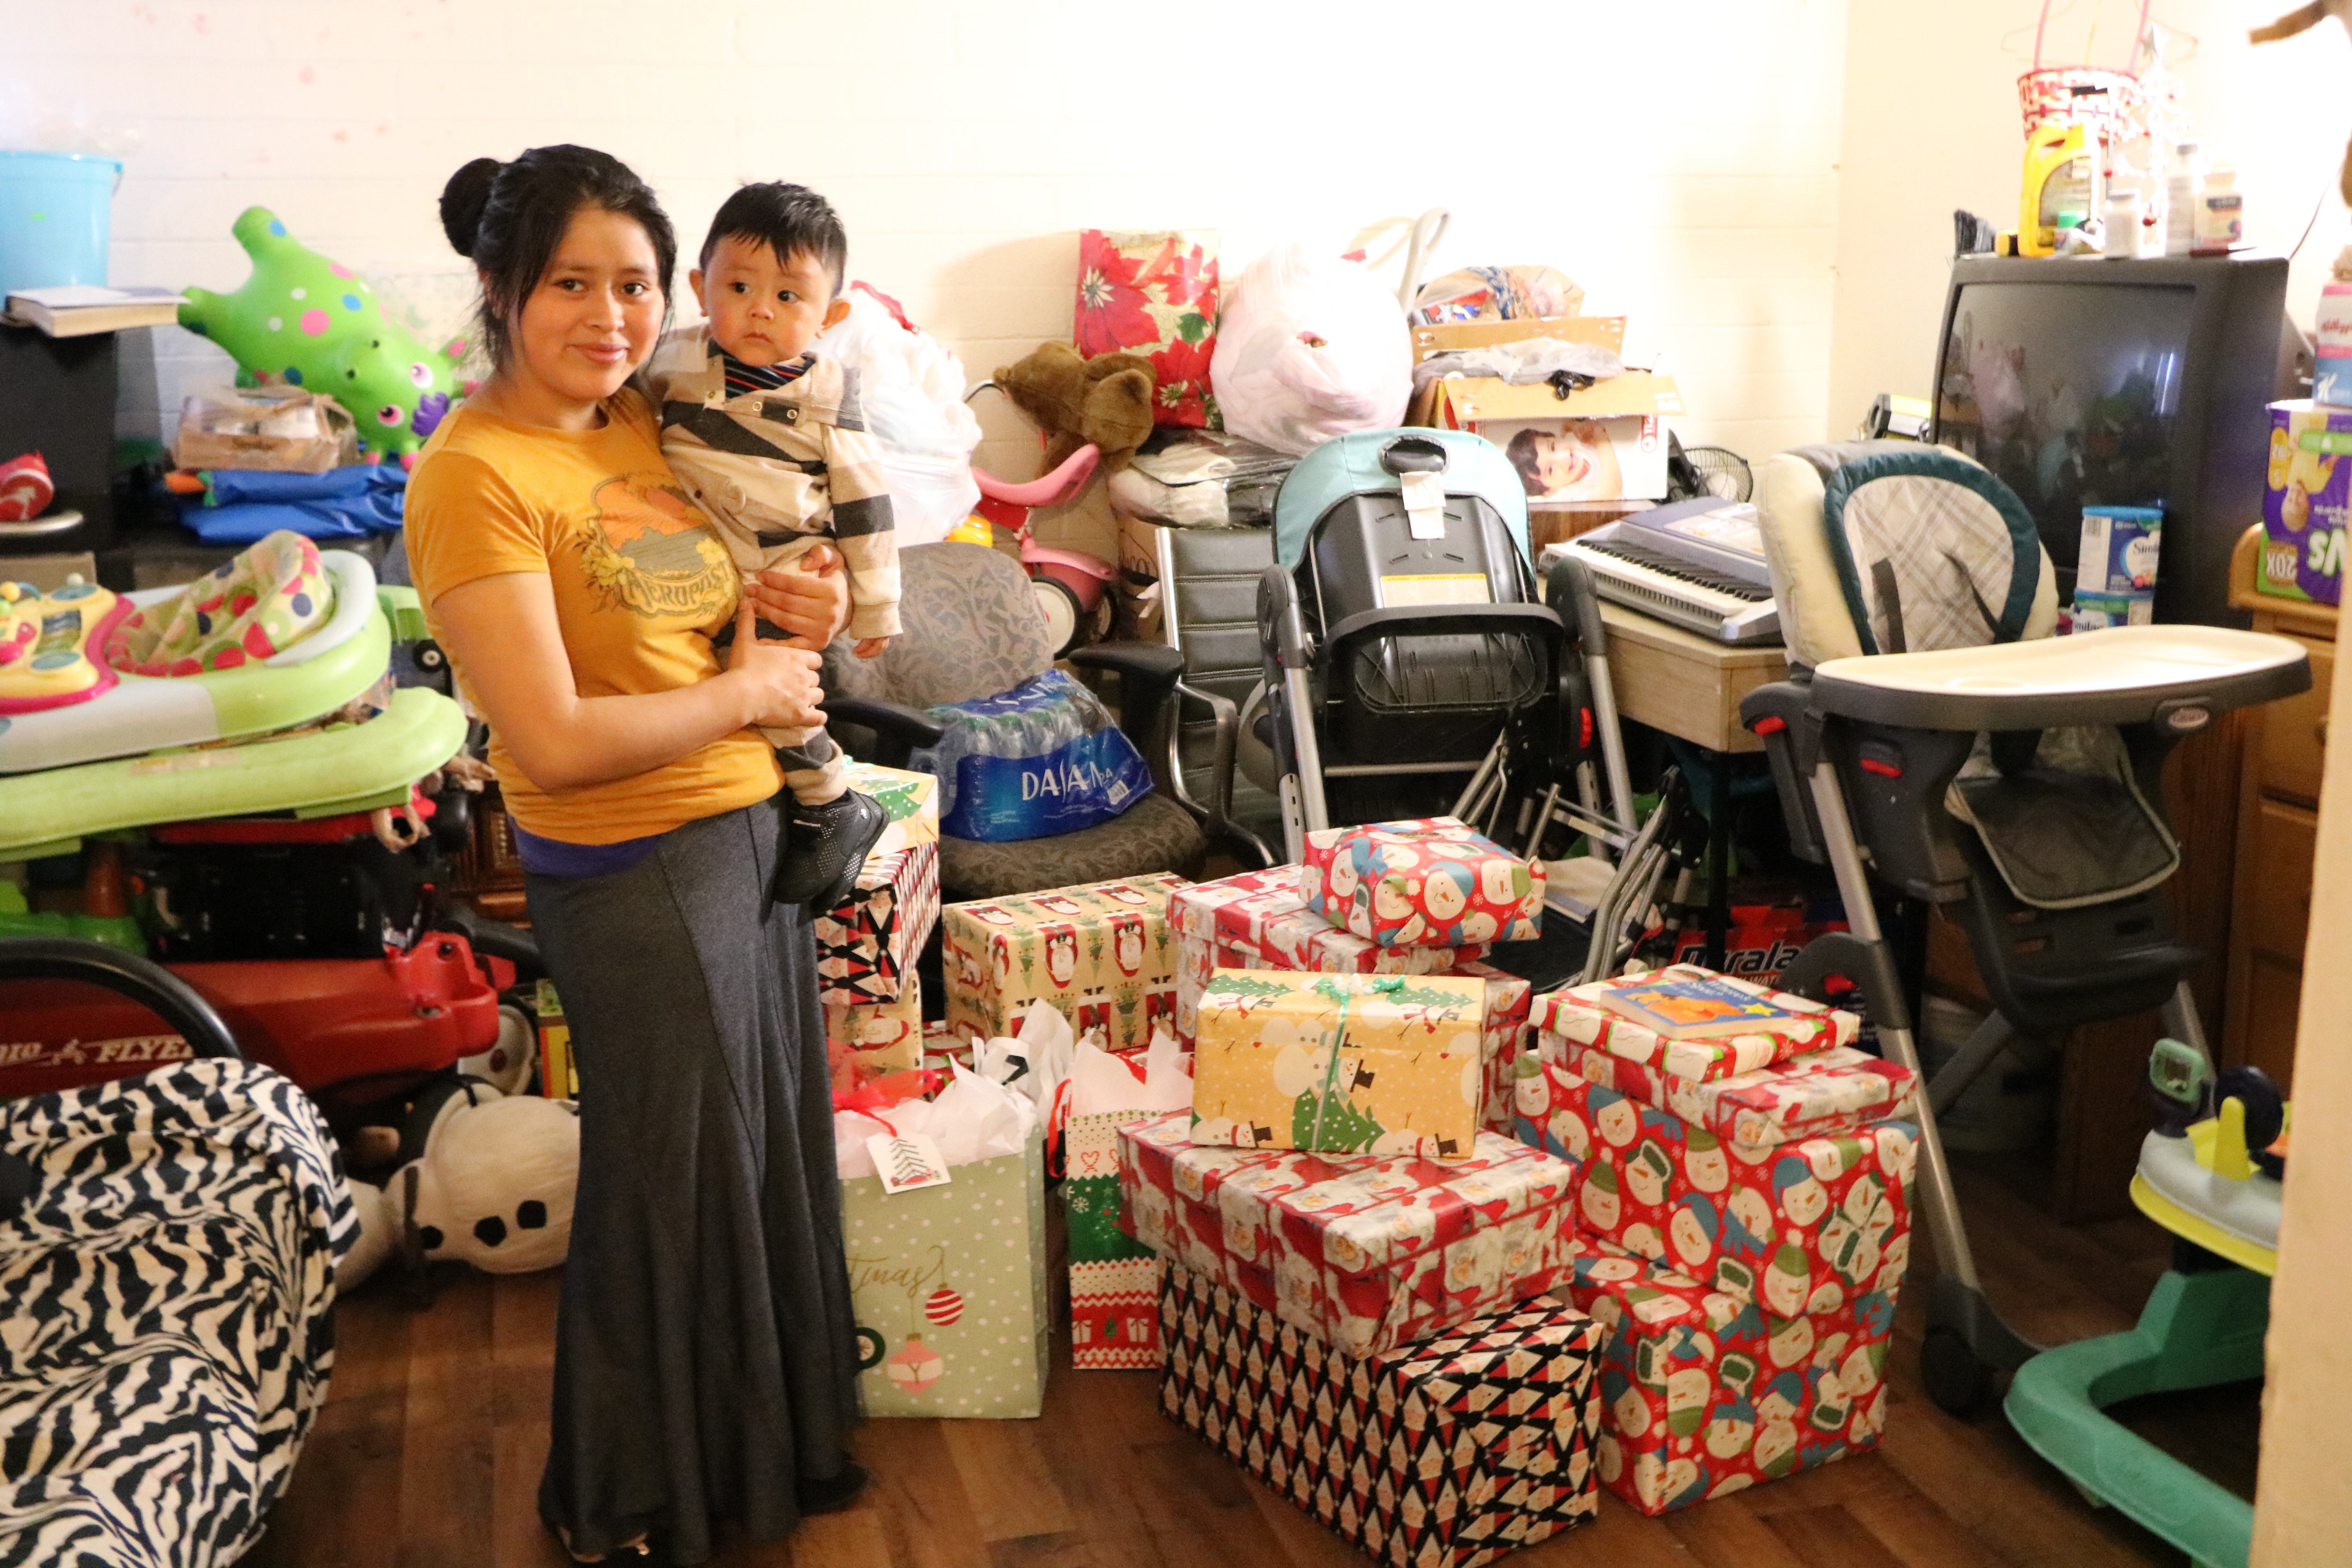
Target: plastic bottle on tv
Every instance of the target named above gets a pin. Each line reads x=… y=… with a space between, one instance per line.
x=2220 y=213
x=2184 y=180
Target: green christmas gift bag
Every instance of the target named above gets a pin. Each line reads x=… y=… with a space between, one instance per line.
x=948 y=1286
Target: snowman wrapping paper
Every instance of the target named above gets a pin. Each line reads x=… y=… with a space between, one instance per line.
x=1427 y=882
x=1796 y=1227
x=1704 y=1395
x=1576 y=1019
x=1366 y=1254
x=1446 y=1454
x=1101 y=952
x=1259 y=920
x=1347 y=1064
x=948 y=1285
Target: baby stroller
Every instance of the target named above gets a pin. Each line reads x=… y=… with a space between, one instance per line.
x=1936 y=727
x=1411 y=668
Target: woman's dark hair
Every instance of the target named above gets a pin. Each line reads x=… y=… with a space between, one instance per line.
x=508 y=219
x=790 y=220
x=1522 y=455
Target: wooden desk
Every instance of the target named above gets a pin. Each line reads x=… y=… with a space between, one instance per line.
x=1684 y=684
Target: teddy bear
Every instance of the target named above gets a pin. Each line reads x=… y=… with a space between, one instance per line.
x=1105 y=400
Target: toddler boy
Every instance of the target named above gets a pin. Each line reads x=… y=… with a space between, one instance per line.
x=768 y=434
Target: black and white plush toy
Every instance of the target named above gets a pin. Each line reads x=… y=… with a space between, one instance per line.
x=493 y=1185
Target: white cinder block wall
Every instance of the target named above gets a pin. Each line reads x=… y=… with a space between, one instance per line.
x=1679 y=160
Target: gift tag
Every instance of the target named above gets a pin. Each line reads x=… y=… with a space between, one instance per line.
x=1424 y=504
x=905 y=1161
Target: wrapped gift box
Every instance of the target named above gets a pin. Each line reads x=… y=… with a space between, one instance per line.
x=1427 y=882
x=1114 y=1279
x=1101 y=953
x=1445 y=1453
x=866 y=949
x=1260 y=920
x=1572 y=1018
x=1797 y=1227
x=911 y=800
x=874 y=1038
x=1819 y=1094
x=1367 y=1253
x=1349 y=1063
x=1704 y=1395
x=1502 y=1040
x=942 y=1046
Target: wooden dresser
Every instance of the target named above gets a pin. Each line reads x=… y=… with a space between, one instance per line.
x=2278 y=822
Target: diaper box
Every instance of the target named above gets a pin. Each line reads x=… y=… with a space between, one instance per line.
x=2304 y=501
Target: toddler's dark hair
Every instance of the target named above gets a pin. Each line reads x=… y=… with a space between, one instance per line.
x=508 y=219
x=790 y=220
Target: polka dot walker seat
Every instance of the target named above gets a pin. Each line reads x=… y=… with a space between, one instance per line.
x=258 y=605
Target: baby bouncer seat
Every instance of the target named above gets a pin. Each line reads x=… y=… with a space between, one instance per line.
x=1935 y=728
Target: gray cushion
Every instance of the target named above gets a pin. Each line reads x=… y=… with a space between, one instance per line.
x=1155 y=833
x=971 y=629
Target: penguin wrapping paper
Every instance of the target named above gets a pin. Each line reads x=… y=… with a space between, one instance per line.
x=867 y=948
x=1259 y=920
x=1704 y=1395
x=1349 y=1063
x=948 y=1284
x=1427 y=882
x=1795 y=1227
x=1366 y=1254
x=1577 y=1019
x=1101 y=952
x=874 y=1038
x=1445 y=1454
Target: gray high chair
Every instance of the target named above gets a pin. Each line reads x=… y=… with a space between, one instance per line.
x=1937 y=731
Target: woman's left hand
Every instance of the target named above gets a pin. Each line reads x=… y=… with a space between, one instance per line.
x=810 y=600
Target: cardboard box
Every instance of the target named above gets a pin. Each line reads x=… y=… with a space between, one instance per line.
x=282 y=428
x=1794 y=1228
x=1704 y=1395
x=1367 y=1254
x=2306 y=498
x=866 y=949
x=1349 y=1063
x=1607 y=442
x=1428 y=882
x=1445 y=1454
x=874 y=1038
x=1450 y=337
x=1101 y=953
x=1577 y=1020
x=1259 y=920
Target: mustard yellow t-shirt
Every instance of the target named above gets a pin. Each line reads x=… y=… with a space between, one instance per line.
x=641 y=584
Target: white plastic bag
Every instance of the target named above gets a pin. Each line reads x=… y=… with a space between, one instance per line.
x=912 y=393
x=1311 y=347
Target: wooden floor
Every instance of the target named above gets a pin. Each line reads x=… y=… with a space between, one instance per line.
x=428 y=1456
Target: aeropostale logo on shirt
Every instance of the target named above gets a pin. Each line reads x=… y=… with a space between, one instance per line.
x=649 y=548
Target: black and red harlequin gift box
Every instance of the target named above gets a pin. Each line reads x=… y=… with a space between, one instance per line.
x=1445 y=1453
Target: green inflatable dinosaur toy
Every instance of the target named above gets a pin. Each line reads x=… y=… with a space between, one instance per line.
x=311 y=322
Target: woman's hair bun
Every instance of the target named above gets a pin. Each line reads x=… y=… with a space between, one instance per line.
x=463 y=201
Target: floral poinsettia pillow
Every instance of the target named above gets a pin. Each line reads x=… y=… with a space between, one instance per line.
x=1154 y=294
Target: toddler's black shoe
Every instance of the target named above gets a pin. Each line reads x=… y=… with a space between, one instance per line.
x=834 y=1494
x=824 y=846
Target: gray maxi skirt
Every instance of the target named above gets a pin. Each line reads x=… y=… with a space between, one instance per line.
x=705 y=1354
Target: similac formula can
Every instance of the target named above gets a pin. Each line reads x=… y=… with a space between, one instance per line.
x=2094 y=612
x=2119 y=550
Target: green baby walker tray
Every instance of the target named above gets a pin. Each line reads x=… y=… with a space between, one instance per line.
x=2214 y=1183
x=227 y=697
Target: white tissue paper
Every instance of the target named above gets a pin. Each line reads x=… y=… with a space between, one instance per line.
x=973 y=1119
x=1036 y=1061
x=1102 y=1084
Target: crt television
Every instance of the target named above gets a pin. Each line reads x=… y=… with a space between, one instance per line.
x=2081 y=381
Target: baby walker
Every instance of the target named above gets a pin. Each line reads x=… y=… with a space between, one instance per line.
x=2212 y=1180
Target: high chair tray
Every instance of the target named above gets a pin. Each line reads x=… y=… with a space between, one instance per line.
x=2121 y=675
x=345 y=656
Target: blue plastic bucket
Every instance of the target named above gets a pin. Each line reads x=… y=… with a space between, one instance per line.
x=55 y=209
